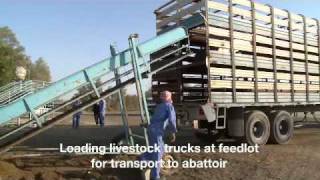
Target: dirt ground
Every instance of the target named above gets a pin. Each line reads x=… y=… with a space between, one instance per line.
x=300 y=159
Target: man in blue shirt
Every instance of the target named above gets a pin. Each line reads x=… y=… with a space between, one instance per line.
x=164 y=118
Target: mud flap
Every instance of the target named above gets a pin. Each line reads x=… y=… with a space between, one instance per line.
x=235 y=122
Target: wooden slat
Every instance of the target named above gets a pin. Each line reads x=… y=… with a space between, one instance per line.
x=311 y=22
x=217 y=84
x=242 y=2
x=263 y=8
x=296 y=17
x=280 y=12
x=218 y=6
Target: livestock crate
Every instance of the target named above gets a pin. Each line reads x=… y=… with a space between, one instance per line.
x=246 y=52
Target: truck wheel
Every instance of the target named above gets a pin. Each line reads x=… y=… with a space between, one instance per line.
x=281 y=127
x=257 y=128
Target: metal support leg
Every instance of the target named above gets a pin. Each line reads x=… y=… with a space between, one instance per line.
x=140 y=92
x=39 y=122
x=91 y=83
x=123 y=109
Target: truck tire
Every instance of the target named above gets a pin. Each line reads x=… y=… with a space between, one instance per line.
x=281 y=127
x=257 y=128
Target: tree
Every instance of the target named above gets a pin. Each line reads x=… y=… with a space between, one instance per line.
x=40 y=71
x=7 y=64
x=9 y=38
x=12 y=54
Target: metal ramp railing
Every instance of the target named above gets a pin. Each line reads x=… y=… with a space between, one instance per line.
x=16 y=90
x=8 y=86
x=102 y=80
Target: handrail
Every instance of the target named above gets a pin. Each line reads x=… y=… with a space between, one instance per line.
x=16 y=90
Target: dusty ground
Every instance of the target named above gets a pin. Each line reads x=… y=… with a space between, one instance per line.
x=300 y=159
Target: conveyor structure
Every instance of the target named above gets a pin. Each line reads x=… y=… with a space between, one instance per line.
x=101 y=80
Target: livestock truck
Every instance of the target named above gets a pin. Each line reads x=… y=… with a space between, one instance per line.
x=255 y=65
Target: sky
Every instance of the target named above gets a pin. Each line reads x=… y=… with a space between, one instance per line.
x=73 y=34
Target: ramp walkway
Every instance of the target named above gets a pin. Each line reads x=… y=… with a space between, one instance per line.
x=96 y=82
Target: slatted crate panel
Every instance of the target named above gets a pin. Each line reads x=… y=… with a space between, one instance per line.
x=220 y=21
x=262 y=14
x=282 y=47
x=303 y=47
x=263 y=97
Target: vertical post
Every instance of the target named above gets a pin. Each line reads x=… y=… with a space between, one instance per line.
x=179 y=93
x=208 y=59
x=254 y=46
x=291 y=56
x=274 y=55
x=140 y=92
x=318 y=32
x=306 y=57
x=91 y=83
x=32 y=112
x=232 y=53
x=123 y=109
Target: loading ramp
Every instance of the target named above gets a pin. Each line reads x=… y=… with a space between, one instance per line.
x=120 y=70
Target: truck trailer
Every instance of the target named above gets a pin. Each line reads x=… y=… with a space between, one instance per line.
x=254 y=67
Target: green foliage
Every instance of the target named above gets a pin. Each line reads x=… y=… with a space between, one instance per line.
x=7 y=64
x=40 y=70
x=12 y=54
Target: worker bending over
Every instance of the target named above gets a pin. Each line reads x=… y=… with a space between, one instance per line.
x=164 y=118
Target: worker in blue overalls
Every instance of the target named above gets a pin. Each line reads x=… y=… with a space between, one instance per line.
x=76 y=116
x=164 y=118
x=102 y=111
